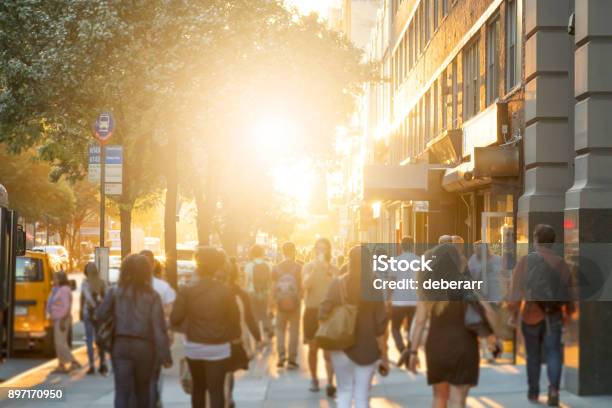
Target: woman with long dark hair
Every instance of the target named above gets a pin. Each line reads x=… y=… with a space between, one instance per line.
x=209 y=314
x=355 y=365
x=451 y=349
x=93 y=289
x=140 y=338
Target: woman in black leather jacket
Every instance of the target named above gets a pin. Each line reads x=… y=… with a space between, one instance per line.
x=208 y=313
x=140 y=339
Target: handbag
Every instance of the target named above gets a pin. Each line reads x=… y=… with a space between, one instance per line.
x=185 y=376
x=239 y=360
x=476 y=320
x=105 y=334
x=337 y=332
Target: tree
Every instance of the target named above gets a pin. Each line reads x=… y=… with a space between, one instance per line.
x=31 y=193
x=176 y=75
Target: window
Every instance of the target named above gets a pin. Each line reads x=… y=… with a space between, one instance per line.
x=471 y=74
x=455 y=96
x=405 y=43
x=513 y=63
x=427 y=20
x=418 y=33
x=436 y=10
x=422 y=25
x=427 y=120
x=411 y=45
x=28 y=270
x=400 y=52
x=444 y=104
x=436 y=107
x=493 y=60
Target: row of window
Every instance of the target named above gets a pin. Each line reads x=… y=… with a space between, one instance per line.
x=423 y=24
x=431 y=114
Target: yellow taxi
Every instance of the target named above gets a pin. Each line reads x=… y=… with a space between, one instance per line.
x=33 y=283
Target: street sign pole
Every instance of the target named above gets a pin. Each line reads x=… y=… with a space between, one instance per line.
x=103 y=129
x=102 y=191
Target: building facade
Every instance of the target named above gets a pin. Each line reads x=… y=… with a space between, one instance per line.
x=493 y=116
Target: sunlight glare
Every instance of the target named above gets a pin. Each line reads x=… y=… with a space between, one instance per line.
x=295 y=182
x=273 y=134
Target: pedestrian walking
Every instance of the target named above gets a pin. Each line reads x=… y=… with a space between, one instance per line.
x=355 y=366
x=541 y=292
x=403 y=302
x=167 y=296
x=257 y=274
x=59 y=308
x=93 y=290
x=451 y=349
x=287 y=293
x=318 y=276
x=242 y=349
x=485 y=266
x=140 y=338
x=209 y=314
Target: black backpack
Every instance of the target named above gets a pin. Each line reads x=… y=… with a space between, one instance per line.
x=544 y=285
x=261 y=278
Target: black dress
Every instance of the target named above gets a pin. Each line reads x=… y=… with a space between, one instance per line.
x=451 y=350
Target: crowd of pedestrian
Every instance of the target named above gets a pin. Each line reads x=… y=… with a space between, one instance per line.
x=232 y=311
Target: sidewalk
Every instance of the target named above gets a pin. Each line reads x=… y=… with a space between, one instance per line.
x=266 y=386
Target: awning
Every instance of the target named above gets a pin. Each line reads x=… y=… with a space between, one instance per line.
x=446 y=148
x=395 y=182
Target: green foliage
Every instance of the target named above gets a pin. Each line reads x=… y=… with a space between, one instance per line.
x=31 y=192
x=202 y=72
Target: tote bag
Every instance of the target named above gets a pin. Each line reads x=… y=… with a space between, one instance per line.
x=337 y=332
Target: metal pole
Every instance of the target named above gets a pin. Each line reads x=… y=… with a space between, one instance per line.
x=102 y=193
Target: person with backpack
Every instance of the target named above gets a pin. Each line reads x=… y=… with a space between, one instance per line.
x=318 y=275
x=287 y=293
x=93 y=290
x=258 y=274
x=541 y=292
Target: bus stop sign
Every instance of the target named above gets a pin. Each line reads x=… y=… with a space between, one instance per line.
x=103 y=128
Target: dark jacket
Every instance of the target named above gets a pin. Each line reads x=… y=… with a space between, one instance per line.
x=137 y=315
x=207 y=312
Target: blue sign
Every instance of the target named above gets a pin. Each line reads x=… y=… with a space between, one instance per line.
x=114 y=154
x=103 y=128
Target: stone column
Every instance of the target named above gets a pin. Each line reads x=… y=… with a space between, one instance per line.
x=588 y=206
x=548 y=73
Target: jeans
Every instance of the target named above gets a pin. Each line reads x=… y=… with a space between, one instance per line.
x=89 y=340
x=207 y=376
x=398 y=315
x=353 y=381
x=547 y=333
x=284 y=319
x=134 y=369
x=259 y=307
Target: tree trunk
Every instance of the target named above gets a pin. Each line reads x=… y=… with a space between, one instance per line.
x=206 y=202
x=125 y=217
x=170 y=212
